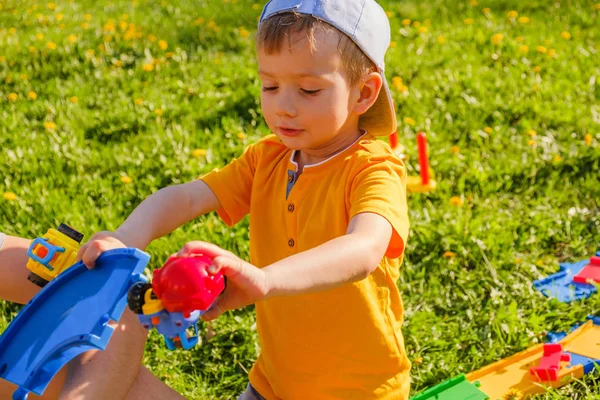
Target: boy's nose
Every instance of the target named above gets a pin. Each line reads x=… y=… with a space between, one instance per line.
x=285 y=107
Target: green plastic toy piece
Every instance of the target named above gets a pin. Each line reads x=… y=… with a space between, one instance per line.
x=457 y=388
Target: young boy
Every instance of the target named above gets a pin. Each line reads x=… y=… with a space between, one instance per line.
x=327 y=207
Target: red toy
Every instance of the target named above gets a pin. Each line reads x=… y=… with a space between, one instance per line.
x=590 y=272
x=423 y=159
x=550 y=362
x=184 y=285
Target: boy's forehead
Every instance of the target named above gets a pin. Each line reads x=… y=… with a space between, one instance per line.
x=297 y=57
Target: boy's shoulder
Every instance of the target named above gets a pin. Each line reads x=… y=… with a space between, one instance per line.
x=369 y=150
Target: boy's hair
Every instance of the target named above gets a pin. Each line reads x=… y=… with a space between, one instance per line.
x=274 y=30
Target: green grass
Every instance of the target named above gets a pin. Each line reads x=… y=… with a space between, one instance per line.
x=521 y=203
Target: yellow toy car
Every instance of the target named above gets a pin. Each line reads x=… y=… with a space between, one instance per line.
x=52 y=254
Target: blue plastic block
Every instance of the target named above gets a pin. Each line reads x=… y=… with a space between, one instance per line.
x=561 y=285
x=67 y=317
x=588 y=363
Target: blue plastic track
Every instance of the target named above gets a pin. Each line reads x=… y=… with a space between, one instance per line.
x=66 y=318
x=561 y=285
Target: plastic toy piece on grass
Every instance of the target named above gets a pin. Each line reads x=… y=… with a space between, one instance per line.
x=561 y=285
x=51 y=255
x=588 y=364
x=499 y=378
x=453 y=389
x=66 y=318
x=549 y=365
x=591 y=272
x=416 y=184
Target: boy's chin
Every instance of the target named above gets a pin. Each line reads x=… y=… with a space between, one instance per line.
x=292 y=143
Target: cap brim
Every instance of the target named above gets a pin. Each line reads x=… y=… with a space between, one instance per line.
x=380 y=119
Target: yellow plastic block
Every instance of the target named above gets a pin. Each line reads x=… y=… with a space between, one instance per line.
x=588 y=341
x=414 y=185
x=513 y=372
x=61 y=261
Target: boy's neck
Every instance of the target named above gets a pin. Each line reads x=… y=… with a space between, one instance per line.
x=308 y=157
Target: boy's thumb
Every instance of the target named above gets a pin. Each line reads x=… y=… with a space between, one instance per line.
x=213 y=312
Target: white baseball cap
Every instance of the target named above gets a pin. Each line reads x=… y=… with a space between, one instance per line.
x=365 y=22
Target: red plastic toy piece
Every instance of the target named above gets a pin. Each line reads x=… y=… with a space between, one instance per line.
x=394 y=140
x=184 y=285
x=550 y=362
x=423 y=159
x=590 y=272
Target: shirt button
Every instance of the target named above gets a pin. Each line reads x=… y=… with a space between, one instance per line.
x=290 y=207
x=290 y=178
x=291 y=242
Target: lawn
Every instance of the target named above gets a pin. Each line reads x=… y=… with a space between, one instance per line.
x=103 y=103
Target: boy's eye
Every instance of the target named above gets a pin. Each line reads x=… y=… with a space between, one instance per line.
x=269 y=88
x=311 y=92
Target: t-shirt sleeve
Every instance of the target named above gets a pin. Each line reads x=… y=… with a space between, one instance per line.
x=232 y=185
x=380 y=188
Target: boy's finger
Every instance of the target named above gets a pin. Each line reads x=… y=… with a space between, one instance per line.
x=228 y=266
x=213 y=312
x=197 y=247
x=81 y=252
x=92 y=253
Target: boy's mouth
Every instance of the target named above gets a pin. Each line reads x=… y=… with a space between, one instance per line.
x=289 y=132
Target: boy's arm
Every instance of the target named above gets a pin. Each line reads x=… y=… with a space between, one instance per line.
x=159 y=214
x=348 y=258
x=14 y=285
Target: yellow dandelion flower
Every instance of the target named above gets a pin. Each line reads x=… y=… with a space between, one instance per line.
x=449 y=254
x=241 y=135
x=59 y=16
x=88 y=17
x=12 y=97
x=90 y=52
x=12 y=31
x=159 y=112
x=551 y=53
x=519 y=39
x=244 y=32
x=24 y=77
x=524 y=48
x=84 y=25
x=2 y=59
x=199 y=153
x=423 y=29
x=557 y=158
x=497 y=38
x=32 y=49
x=199 y=21
x=32 y=95
x=486 y=10
x=163 y=44
x=417 y=24
x=406 y=22
x=418 y=361
x=541 y=49
x=39 y=36
x=72 y=38
x=74 y=99
x=151 y=38
x=9 y=196
x=456 y=201
x=597 y=6
x=469 y=21
x=51 y=6
x=51 y=45
x=524 y=20
x=565 y=35
x=587 y=139
x=109 y=27
x=49 y=125
x=255 y=6
x=532 y=133
x=512 y=14
x=531 y=142
x=389 y=14
x=402 y=88
x=138 y=102
x=409 y=121
x=148 y=67
x=126 y=179
x=393 y=44
x=441 y=39
x=488 y=129
x=537 y=69
x=474 y=3
x=455 y=149
x=123 y=25
x=513 y=394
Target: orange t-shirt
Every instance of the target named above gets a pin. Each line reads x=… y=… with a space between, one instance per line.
x=342 y=343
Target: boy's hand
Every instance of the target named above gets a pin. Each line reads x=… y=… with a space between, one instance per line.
x=98 y=244
x=246 y=284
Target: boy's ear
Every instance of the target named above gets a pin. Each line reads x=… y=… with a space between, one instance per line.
x=369 y=87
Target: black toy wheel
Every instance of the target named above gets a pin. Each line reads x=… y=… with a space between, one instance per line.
x=38 y=280
x=70 y=232
x=135 y=296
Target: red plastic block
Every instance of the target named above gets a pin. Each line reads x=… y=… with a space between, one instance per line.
x=590 y=272
x=184 y=285
x=550 y=362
